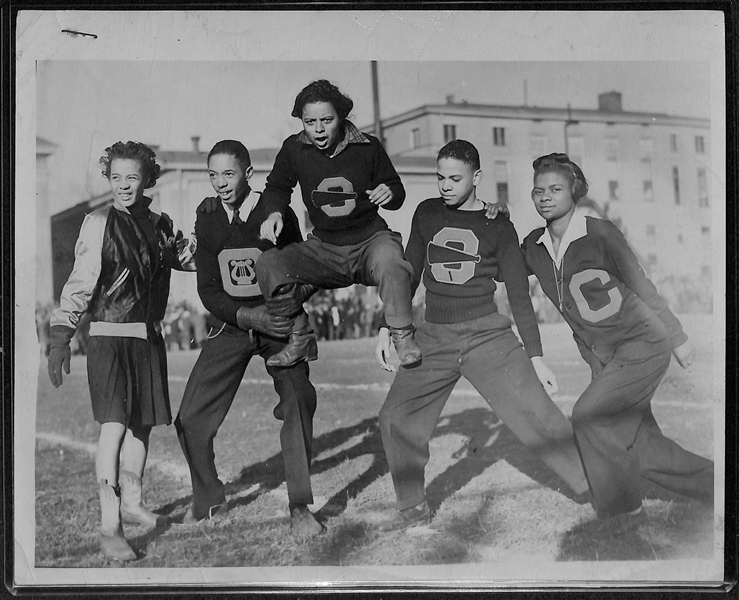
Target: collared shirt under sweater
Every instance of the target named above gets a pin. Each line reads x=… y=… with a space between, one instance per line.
x=227 y=253
x=334 y=186
x=600 y=288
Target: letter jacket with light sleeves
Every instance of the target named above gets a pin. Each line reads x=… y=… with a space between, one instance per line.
x=116 y=277
x=334 y=187
x=600 y=289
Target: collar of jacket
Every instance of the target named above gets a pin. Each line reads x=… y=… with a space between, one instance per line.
x=576 y=229
x=147 y=203
x=352 y=135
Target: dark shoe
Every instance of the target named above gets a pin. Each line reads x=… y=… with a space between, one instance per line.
x=625 y=522
x=404 y=519
x=216 y=513
x=405 y=345
x=303 y=522
x=583 y=498
x=301 y=345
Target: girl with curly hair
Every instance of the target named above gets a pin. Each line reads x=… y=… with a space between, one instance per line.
x=123 y=260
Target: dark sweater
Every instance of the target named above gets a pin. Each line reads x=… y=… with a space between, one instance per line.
x=334 y=189
x=458 y=254
x=606 y=298
x=226 y=256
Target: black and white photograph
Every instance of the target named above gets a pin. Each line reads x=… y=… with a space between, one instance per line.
x=327 y=299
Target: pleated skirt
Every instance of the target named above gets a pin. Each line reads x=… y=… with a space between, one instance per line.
x=128 y=380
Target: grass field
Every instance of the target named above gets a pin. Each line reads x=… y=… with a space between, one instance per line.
x=492 y=499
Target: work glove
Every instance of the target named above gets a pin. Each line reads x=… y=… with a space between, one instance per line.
x=289 y=302
x=261 y=319
x=59 y=352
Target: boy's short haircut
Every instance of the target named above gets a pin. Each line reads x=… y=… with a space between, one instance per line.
x=137 y=151
x=323 y=90
x=463 y=151
x=232 y=148
x=561 y=163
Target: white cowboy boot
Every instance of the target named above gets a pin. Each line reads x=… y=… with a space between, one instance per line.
x=133 y=510
x=110 y=533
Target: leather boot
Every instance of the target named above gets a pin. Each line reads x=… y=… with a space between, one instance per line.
x=405 y=345
x=301 y=345
x=405 y=519
x=133 y=510
x=110 y=533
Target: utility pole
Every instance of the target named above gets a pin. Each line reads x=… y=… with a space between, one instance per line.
x=568 y=122
x=376 y=103
x=371 y=294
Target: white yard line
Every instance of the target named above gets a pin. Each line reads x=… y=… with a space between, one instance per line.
x=177 y=470
x=465 y=393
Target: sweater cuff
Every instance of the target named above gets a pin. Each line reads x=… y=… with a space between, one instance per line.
x=60 y=335
x=678 y=339
x=533 y=348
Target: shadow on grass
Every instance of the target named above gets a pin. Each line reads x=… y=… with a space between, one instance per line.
x=590 y=542
x=488 y=441
x=680 y=528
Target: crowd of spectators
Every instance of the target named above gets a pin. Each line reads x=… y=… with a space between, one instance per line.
x=355 y=312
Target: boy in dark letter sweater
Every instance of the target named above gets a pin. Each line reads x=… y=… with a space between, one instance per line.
x=230 y=246
x=453 y=246
x=344 y=176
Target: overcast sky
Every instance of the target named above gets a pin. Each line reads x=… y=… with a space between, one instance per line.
x=84 y=106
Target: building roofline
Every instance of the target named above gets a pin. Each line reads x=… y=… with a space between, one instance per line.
x=536 y=113
x=189 y=160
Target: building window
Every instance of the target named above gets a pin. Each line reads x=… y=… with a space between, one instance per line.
x=501 y=181
x=702 y=187
x=450 y=133
x=415 y=137
x=499 y=136
x=676 y=184
x=538 y=145
x=673 y=142
x=613 y=190
x=699 y=145
x=651 y=235
x=612 y=146
x=646 y=148
x=706 y=236
x=647 y=189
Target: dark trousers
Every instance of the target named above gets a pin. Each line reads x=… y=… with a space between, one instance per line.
x=377 y=261
x=210 y=391
x=486 y=352
x=619 y=439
